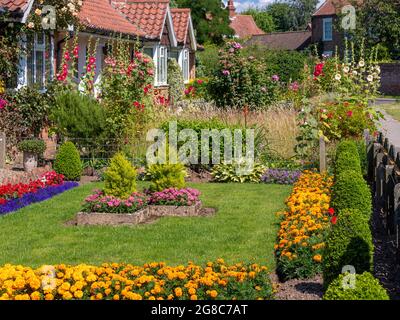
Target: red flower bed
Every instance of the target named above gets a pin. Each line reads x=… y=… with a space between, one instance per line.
x=13 y=191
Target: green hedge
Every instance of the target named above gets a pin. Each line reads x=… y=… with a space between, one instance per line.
x=349 y=243
x=346 y=146
x=366 y=288
x=347 y=161
x=351 y=191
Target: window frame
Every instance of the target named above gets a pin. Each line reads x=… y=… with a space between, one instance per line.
x=161 y=64
x=324 y=29
x=186 y=65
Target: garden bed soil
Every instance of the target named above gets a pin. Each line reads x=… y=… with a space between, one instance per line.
x=295 y=289
x=199 y=177
x=144 y=216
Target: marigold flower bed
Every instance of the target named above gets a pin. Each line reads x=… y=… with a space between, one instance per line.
x=15 y=197
x=153 y=281
x=308 y=217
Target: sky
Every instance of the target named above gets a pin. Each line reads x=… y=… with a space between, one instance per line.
x=243 y=4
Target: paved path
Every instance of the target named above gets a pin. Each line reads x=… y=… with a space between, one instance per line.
x=391 y=129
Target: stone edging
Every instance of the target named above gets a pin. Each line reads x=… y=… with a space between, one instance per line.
x=143 y=216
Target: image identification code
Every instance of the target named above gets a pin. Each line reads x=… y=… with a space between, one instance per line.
x=225 y=309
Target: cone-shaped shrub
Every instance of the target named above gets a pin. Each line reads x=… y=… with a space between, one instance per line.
x=68 y=162
x=365 y=287
x=120 y=177
x=348 y=243
x=351 y=191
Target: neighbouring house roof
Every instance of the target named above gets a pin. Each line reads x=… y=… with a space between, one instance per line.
x=100 y=15
x=294 y=40
x=149 y=15
x=245 y=26
x=332 y=7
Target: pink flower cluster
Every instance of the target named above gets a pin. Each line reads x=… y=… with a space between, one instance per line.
x=175 y=197
x=99 y=202
x=3 y=103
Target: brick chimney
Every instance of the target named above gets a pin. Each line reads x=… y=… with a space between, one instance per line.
x=231 y=8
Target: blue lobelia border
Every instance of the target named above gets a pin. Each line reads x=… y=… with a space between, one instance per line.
x=39 y=196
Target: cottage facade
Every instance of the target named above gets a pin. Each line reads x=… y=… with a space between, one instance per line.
x=161 y=31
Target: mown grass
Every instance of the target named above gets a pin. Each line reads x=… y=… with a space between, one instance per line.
x=392 y=109
x=244 y=229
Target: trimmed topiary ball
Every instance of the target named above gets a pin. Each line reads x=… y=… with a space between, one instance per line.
x=366 y=287
x=351 y=191
x=120 y=177
x=349 y=243
x=68 y=162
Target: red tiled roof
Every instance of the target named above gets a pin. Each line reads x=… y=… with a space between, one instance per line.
x=149 y=15
x=100 y=15
x=332 y=7
x=14 y=5
x=245 y=26
x=295 y=40
x=181 y=18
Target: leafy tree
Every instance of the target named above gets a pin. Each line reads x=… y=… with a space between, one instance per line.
x=283 y=16
x=210 y=19
x=378 y=21
x=304 y=9
x=262 y=18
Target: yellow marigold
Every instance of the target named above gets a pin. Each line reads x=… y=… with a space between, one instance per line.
x=317 y=258
x=192 y=291
x=78 y=294
x=49 y=296
x=67 y=296
x=193 y=297
x=116 y=297
x=178 y=292
x=213 y=293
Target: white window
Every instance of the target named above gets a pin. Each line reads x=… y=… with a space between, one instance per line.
x=327 y=29
x=185 y=65
x=328 y=53
x=39 y=65
x=162 y=66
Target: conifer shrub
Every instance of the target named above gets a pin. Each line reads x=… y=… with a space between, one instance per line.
x=348 y=243
x=120 y=177
x=68 y=162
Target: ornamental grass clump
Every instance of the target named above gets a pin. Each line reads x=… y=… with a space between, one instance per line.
x=349 y=243
x=365 y=287
x=175 y=197
x=120 y=178
x=152 y=281
x=351 y=191
x=304 y=225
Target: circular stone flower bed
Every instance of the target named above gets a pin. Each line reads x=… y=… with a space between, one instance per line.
x=100 y=209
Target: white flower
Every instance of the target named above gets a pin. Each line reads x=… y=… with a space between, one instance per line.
x=361 y=63
x=38 y=12
x=31 y=25
x=338 y=77
x=346 y=69
x=355 y=73
x=378 y=69
x=370 y=78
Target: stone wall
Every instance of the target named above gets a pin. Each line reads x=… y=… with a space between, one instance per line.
x=390 y=82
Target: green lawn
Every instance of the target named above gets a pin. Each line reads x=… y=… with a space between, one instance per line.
x=392 y=109
x=244 y=229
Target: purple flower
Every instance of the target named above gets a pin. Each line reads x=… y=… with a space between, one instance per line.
x=3 y=103
x=275 y=77
x=281 y=176
x=226 y=72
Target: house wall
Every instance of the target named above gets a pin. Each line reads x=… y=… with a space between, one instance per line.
x=317 y=35
x=390 y=78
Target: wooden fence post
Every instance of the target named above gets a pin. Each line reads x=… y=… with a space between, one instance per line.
x=322 y=155
x=396 y=209
x=2 y=150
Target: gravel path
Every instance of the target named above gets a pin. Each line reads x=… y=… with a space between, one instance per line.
x=391 y=129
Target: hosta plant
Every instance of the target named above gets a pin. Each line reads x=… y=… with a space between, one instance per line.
x=239 y=171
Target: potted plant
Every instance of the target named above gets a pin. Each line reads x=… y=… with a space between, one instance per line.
x=31 y=150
